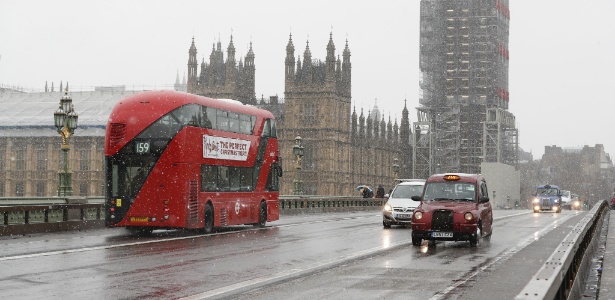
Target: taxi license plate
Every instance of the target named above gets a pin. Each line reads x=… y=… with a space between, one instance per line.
x=139 y=219
x=404 y=216
x=442 y=234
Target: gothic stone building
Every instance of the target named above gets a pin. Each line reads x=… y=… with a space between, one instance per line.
x=341 y=150
x=222 y=79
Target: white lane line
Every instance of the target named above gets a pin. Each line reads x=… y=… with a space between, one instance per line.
x=442 y=294
x=78 y=250
x=300 y=272
x=254 y=283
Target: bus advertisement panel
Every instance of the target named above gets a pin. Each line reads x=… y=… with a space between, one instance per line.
x=177 y=160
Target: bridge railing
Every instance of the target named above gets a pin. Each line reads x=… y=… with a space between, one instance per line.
x=48 y=214
x=562 y=275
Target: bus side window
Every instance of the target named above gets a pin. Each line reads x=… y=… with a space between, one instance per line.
x=234 y=179
x=267 y=128
x=205 y=122
x=189 y=115
x=273 y=179
x=246 y=179
x=211 y=117
x=233 y=122
x=224 y=183
x=222 y=117
x=208 y=178
x=274 y=131
x=245 y=125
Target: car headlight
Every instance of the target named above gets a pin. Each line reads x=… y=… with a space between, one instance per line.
x=418 y=215
x=555 y=201
x=468 y=216
x=387 y=207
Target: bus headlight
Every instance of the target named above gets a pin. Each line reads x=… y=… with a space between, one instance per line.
x=536 y=200
x=468 y=216
x=418 y=215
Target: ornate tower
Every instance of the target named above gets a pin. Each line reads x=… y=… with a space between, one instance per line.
x=318 y=94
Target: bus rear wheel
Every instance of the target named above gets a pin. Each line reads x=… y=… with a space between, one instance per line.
x=208 y=219
x=262 y=216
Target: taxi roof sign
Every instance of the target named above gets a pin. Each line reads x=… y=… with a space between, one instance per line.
x=451 y=177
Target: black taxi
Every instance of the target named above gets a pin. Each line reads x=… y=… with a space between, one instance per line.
x=454 y=207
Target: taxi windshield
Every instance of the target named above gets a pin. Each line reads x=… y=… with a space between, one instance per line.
x=449 y=191
x=547 y=191
x=407 y=191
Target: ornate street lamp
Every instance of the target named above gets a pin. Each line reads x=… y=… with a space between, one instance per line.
x=65 y=121
x=298 y=152
x=395 y=170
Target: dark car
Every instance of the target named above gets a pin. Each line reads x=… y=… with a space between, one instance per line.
x=454 y=207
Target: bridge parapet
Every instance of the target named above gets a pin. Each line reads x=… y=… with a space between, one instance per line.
x=49 y=214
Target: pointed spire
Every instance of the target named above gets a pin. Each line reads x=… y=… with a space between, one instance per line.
x=307 y=55
x=231 y=52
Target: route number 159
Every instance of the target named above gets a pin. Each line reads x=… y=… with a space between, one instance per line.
x=142 y=147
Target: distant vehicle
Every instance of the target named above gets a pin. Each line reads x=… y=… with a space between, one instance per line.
x=547 y=198
x=566 y=202
x=453 y=207
x=400 y=206
x=577 y=204
x=177 y=160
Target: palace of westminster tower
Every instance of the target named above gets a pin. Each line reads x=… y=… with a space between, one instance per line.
x=341 y=150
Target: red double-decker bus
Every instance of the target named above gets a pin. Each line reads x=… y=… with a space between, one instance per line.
x=177 y=160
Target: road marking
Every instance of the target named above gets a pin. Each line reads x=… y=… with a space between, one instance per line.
x=78 y=250
x=294 y=273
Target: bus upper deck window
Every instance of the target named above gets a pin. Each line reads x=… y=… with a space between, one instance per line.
x=205 y=121
x=211 y=117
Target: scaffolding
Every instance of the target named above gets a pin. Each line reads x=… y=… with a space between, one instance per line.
x=421 y=156
x=463 y=88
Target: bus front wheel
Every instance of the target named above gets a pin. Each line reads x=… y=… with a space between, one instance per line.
x=262 y=216
x=208 y=219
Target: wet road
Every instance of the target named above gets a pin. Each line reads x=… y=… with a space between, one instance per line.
x=327 y=256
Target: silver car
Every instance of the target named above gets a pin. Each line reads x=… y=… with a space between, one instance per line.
x=399 y=208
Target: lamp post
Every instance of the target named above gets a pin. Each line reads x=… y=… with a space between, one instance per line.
x=395 y=170
x=298 y=152
x=65 y=120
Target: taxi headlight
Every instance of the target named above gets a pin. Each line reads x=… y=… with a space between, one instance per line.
x=387 y=207
x=418 y=215
x=468 y=216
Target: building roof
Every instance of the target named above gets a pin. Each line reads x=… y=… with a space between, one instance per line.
x=32 y=110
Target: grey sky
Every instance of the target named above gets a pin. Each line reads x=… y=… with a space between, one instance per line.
x=561 y=52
